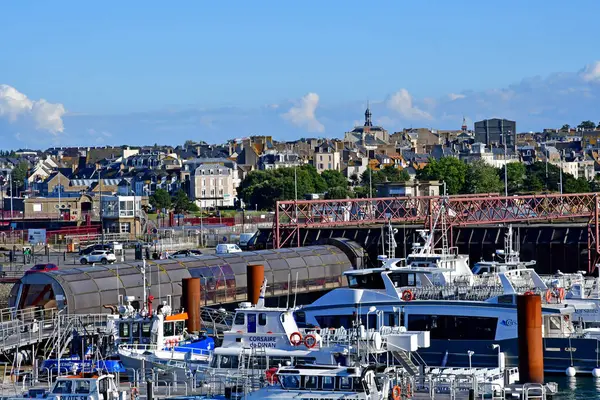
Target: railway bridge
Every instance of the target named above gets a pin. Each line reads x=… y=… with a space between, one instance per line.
x=296 y=221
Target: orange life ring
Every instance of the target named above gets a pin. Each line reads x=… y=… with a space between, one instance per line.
x=310 y=341
x=397 y=393
x=561 y=293
x=408 y=393
x=407 y=295
x=549 y=295
x=296 y=339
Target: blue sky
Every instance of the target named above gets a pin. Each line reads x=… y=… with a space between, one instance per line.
x=142 y=71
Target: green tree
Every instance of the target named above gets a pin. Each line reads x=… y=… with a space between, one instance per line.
x=334 y=179
x=533 y=183
x=337 y=192
x=182 y=203
x=587 y=125
x=19 y=174
x=447 y=169
x=516 y=172
x=565 y=128
x=572 y=185
x=160 y=199
x=264 y=188
x=482 y=178
x=387 y=174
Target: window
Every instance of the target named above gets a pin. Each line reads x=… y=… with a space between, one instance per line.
x=146 y=329
x=328 y=383
x=124 y=227
x=329 y=157
x=82 y=386
x=320 y=158
x=454 y=327
x=221 y=192
x=290 y=381
x=311 y=382
x=203 y=192
x=229 y=362
x=239 y=319
x=345 y=383
x=135 y=329
x=305 y=360
x=62 y=387
x=335 y=321
x=369 y=281
x=262 y=319
x=277 y=361
x=329 y=165
x=179 y=327
x=124 y=329
x=169 y=331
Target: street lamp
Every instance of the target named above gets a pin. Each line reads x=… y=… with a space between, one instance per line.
x=470 y=354
x=500 y=366
x=505 y=168
x=372 y=309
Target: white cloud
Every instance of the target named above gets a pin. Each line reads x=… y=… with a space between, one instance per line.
x=402 y=103
x=591 y=72
x=456 y=96
x=16 y=106
x=303 y=113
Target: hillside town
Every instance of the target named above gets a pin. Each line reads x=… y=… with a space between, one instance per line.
x=254 y=172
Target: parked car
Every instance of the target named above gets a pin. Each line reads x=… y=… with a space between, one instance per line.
x=244 y=239
x=89 y=249
x=228 y=248
x=98 y=256
x=186 y=253
x=41 y=268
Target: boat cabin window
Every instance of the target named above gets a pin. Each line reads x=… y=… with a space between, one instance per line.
x=146 y=329
x=179 y=327
x=277 y=361
x=305 y=360
x=63 y=387
x=228 y=362
x=124 y=329
x=345 y=383
x=554 y=323
x=300 y=317
x=239 y=319
x=103 y=387
x=82 y=387
x=169 y=329
x=135 y=329
x=290 y=381
x=454 y=327
x=328 y=383
x=262 y=319
x=368 y=281
x=311 y=382
x=259 y=362
x=334 y=321
x=401 y=279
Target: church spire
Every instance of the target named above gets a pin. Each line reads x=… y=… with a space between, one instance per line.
x=464 y=125
x=368 y=116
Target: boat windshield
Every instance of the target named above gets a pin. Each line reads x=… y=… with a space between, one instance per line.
x=366 y=281
x=320 y=383
x=63 y=387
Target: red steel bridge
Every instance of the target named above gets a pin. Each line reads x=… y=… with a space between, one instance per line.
x=460 y=210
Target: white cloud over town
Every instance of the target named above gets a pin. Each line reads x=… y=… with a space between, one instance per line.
x=534 y=102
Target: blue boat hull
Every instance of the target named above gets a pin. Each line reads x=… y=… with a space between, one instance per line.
x=559 y=353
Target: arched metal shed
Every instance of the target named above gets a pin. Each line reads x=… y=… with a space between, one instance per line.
x=85 y=289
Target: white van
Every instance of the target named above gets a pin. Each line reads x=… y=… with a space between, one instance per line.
x=228 y=248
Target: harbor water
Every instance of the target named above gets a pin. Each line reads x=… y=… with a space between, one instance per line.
x=577 y=388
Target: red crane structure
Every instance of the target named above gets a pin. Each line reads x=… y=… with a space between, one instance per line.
x=460 y=210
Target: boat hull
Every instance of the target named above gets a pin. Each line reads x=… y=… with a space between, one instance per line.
x=559 y=353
